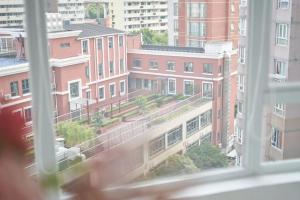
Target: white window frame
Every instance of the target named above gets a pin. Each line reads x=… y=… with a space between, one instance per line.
x=171 y=79
x=79 y=88
x=174 y=67
x=191 y=81
x=88 y=47
x=212 y=89
x=253 y=170
x=114 y=84
x=24 y=114
x=279 y=4
x=282 y=34
x=188 y=71
x=112 y=42
x=278 y=63
x=241 y=83
x=276 y=138
x=242 y=54
x=101 y=99
x=243 y=26
x=279 y=109
x=124 y=92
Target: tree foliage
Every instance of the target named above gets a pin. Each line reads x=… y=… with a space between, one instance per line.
x=141 y=102
x=207 y=156
x=94 y=9
x=174 y=165
x=153 y=37
x=74 y=133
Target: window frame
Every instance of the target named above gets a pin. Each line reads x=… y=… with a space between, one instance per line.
x=101 y=87
x=212 y=89
x=184 y=89
x=187 y=67
x=87 y=47
x=110 y=95
x=282 y=34
x=124 y=92
x=28 y=88
x=174 y=92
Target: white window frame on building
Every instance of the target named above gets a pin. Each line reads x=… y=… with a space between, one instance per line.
x=27 y=114
x=192 y=126
x=204 y=92
x=196 y=10
x=241 y=82
x=84 y=47
x=14 y=89
x=239 y=134
x=196 y=29
x=157 y=145
x=276 y=138
x=25 y=87
x=70 y=83
x=283 y=4
x=188 y=67
x=171 y=65
x=191 y=82
x=173 y=80
x=207 y=68
x=124 y=87
x=174 y=136
x=99 y=88
x=110 y=42
x=242 y=54
x=279 y=109
x=243 y=26
x=122 y=66
x=114 y=90
x=282 y=34
x=280 y=68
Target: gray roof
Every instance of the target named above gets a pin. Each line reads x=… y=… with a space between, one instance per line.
x=9 y=61
x=173 y=48
x=91 y=30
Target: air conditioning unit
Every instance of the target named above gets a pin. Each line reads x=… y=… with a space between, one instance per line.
x=7 y=97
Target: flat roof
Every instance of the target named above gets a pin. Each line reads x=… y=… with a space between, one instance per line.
x=91 y=30
x=10 y=61
x=173 y=48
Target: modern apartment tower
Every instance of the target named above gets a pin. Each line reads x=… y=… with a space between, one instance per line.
x=12 y=11
x=282 y=120
x=132 y=15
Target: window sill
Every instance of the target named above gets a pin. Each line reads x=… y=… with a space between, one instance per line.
x=210 y=74
x=170 y=70
x=153 y=69
x=188 y=72
x=14 y=97
x=27 y=94
x=136 y=67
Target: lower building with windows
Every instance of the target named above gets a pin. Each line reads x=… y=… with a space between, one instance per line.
x=187 y=71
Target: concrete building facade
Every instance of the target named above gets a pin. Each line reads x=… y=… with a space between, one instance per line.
x=281 y=120
x=135 y=15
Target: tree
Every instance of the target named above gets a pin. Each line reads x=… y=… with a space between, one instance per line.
x=174 y=165
x=153 y=37
x=95 y=11
x=207 y=156
x=74 y=133
x=141 y=102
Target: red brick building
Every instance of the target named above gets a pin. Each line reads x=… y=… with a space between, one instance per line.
x=88 y=64
x=194 y=22
x=188 y=71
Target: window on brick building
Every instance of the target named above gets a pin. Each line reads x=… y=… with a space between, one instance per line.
x=122 y=66
x=207 y=68
x=196 y=10
x=197 y=29
x=14 y=88
x=121 y=40
x=171 y=86
x=25 y=86
x=122 y=87
x=87 y=72
x=111 y=68
x=101 y=93
x=282 y=34
x=188 y=67
x=99 y=43
x=188 y=87
x=276 y=138
x=170 y=66
x=27 y=114
x=110 y=42
x=153 y=64
x=207 y=90
x=100 y=69
x=137 y=63
x=112 y=90
x=85 y=46
x=74 y=90
x=65 y=45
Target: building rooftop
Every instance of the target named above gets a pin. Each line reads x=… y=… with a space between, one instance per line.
x=9 y=61
x=90 y=30
x=173 y=48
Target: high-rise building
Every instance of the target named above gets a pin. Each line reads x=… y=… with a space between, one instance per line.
x=193 y=23
x=282 y=120
x=132 y=15
x=12 y=11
